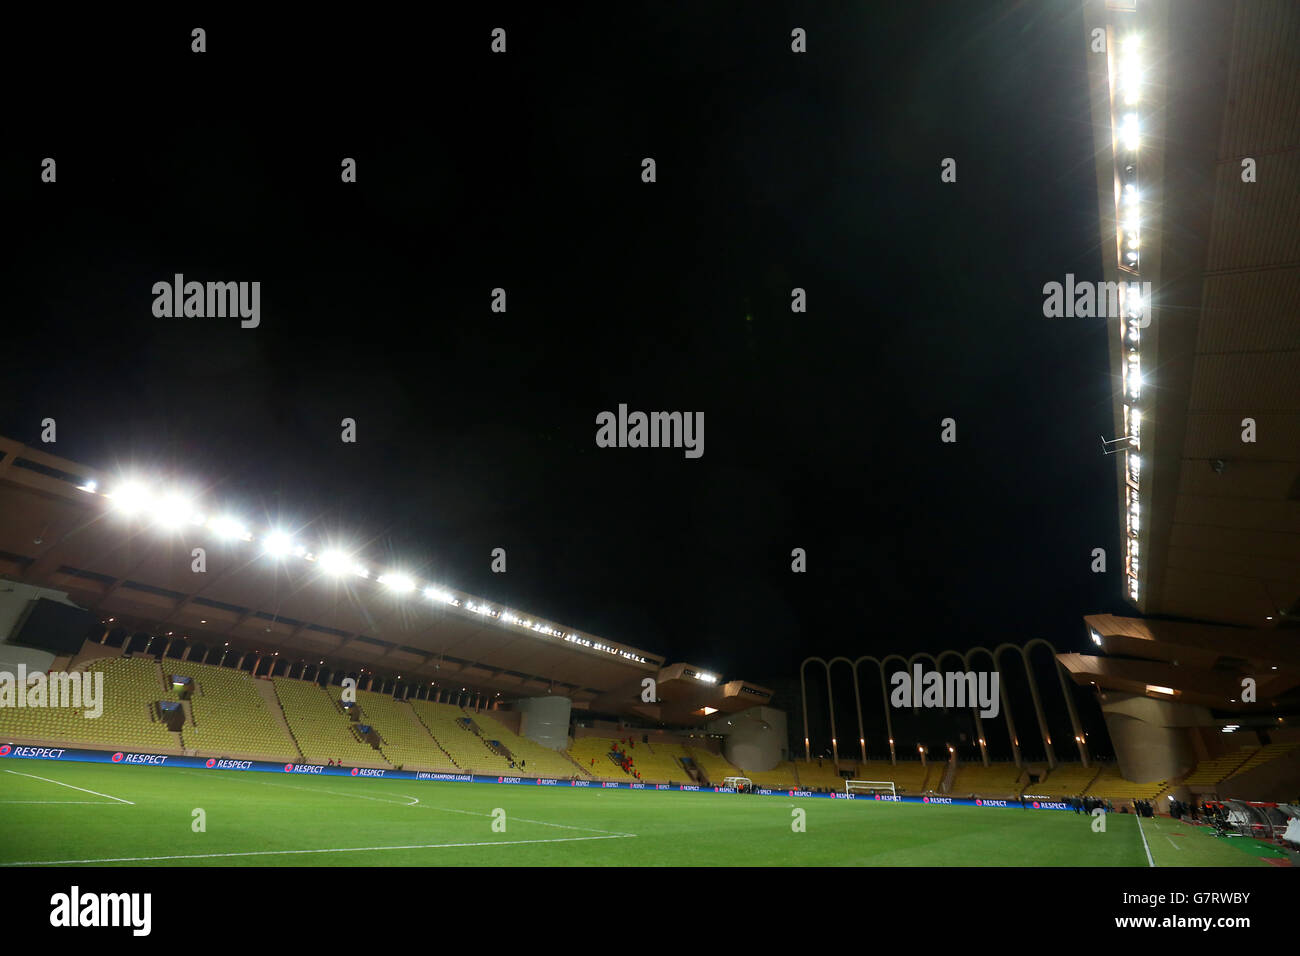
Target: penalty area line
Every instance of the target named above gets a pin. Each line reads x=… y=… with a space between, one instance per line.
x=346 y=849
x=70 y=786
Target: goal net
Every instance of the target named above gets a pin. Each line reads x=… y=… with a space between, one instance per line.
x=869 y=786
x=737 y=782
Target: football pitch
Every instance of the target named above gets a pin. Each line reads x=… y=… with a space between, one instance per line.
x=84 y=814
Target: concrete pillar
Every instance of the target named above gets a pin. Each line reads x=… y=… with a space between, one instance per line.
x=830 y=703
x=983 y=741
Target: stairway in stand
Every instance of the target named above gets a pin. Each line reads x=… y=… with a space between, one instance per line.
x=267 y=691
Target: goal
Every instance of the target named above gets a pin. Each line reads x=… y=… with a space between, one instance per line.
x=737 y=782
x=869 y=786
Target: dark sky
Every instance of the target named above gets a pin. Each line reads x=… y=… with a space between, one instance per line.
x=477 y=430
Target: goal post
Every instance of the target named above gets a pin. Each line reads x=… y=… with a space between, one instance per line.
x=737 y=782
x=869 y=786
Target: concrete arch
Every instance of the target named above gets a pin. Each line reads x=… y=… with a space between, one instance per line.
x=857 y=692
x=857 y=700
x=1037 y=699
x=889 y=722
x=995 y=655
x=884 y=703
x=803 y=693
x=1075 y=725
x=1006 y=703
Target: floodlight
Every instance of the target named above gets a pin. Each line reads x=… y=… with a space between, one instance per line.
x=131 y=498
x=1129 y=131
x=335 y=562
x=278 y=544
x=229 y=528
x=398 y=582
x=174 y=510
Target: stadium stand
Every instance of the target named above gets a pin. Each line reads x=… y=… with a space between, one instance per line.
x=1263 y=755
x=995 y=780
x=321 y=730
x=228 y=716
x=538 y=761
x=936 y=772
x=823 y=775
x=715 y=766
x=132 y=688
x=451 y=728
x=406 y=742
x=1112 y=786
x=593 y=753
x=1209 y=772
x=908 y=775
x=780 y=777
x=1067 y=780
x=659 y=763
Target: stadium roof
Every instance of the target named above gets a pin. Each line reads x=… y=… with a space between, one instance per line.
x=1210 y=514
x=1191 y=663
x=64 y=526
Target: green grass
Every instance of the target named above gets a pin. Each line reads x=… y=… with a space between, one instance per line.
x=1174 y=843
x=265 y=819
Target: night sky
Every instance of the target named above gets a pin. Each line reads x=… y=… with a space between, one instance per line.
x=476 y=429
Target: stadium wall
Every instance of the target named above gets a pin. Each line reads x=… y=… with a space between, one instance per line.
x=755 y=739
x=1152 y=738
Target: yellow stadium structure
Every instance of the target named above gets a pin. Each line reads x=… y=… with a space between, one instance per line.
x=319 y=726
x=133 y=686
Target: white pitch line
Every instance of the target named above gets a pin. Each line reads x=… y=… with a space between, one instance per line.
x=416 y=800
x=337 y=793
x=1172 y=843
x=1150 y=862
x=81 y=803
x=562 y=826
x=347 y=849
x=70 y=786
